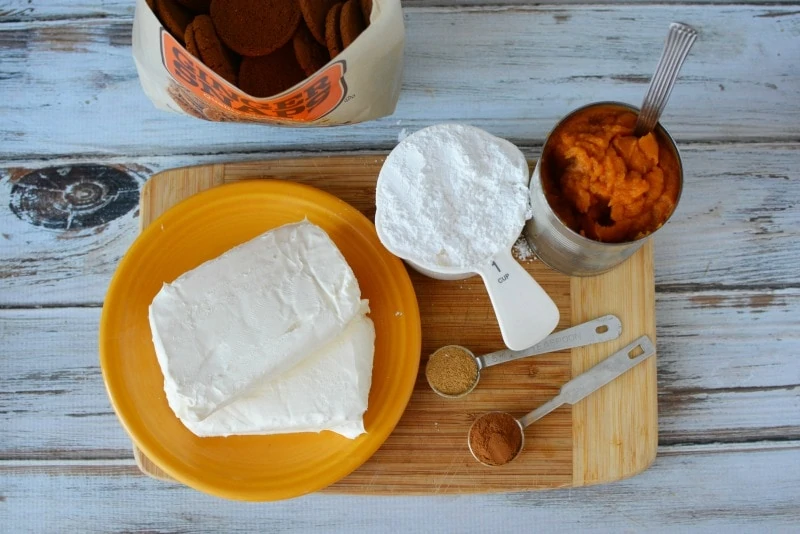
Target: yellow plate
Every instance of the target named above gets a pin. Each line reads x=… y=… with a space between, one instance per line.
x=203 y=227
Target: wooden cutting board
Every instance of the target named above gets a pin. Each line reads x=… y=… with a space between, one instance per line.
x=611 y=435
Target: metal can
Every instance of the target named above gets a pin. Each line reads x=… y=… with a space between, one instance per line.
x=562 y=248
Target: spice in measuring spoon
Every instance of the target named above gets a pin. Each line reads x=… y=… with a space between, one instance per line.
x=496 y=438
x=453 y=371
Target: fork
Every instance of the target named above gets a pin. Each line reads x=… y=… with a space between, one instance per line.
x=679 y=41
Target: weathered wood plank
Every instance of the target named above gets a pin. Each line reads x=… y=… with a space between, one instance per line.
x=52 y=397
x=737 y=221
x=53 y=403
x=730 y=415
x=704 y=489
x=25 y=10
x=80 y=223
x=513 y=71
x=737 y=225
x=727 y=339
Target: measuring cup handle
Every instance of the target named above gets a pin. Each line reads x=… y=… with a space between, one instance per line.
x=526 y=313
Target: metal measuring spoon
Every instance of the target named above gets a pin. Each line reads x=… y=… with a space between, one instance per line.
x=573 y=391
x=676 y=47
x=604 y=328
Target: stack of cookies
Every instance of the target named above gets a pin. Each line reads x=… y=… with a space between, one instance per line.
x=264 y=46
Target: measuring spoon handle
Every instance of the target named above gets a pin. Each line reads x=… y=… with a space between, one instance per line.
x=604 y=328
x=598 y=376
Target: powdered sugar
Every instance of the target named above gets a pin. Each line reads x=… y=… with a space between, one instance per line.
x=522 y=251
x=451 y=195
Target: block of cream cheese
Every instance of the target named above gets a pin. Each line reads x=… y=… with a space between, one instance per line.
x=249 y=316
x=327 y=391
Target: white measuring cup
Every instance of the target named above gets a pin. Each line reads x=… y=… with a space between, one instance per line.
x=525 y=312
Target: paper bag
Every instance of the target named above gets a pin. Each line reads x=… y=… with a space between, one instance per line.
x=359 y=84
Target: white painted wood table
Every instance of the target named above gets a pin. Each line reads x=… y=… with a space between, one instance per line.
x=728 y=283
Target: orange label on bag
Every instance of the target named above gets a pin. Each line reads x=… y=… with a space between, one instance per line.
x=314 y=99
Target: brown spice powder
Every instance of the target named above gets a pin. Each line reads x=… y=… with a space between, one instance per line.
x=495 y=438
x=451 y=370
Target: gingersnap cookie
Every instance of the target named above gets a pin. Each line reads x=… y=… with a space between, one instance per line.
x=351 y=22
x=191 y=43
x=255 y=27
x=271 y=74
x=174 y=17
x=198 y=6
x=333 y=35
x=366 y=10
x=211 y=50
x=311 y=55
x=314 y=13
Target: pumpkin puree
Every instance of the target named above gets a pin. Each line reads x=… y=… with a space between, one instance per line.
x=603 y=182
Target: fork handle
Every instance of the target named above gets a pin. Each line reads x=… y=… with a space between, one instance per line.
x=679 y=41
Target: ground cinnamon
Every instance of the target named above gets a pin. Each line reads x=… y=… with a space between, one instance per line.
x=451 y=370
x=495 y=438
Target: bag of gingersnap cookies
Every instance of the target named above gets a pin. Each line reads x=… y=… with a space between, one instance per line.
x=278 y=62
